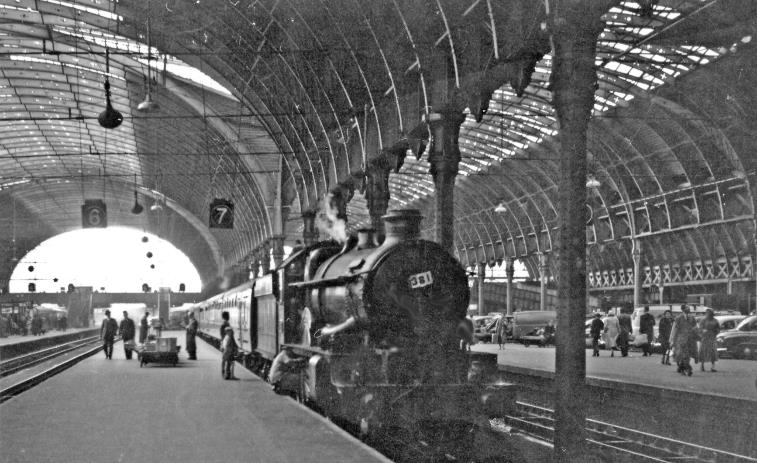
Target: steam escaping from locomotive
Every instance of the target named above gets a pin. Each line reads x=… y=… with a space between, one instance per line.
x=328 y=221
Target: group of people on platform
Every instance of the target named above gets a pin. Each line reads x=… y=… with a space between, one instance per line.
x=34 y=324
x=682 y=336
x=110 y=329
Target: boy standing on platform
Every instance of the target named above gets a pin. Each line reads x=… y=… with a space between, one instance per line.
x=229 y=349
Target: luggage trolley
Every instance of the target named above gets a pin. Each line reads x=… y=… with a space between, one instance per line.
x=163 y=350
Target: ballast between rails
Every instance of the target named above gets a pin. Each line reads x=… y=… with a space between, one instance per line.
x=538 y=421
x=28 y=383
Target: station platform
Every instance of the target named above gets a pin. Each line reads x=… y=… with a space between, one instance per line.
x=116 y=411
x=736 y=379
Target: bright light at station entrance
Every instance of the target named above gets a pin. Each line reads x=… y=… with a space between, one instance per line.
x=113 y=260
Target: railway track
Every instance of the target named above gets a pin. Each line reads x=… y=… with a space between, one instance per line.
x=628 y=444
x=18 y=364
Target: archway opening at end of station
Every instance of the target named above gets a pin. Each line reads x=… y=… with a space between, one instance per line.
x=113 y=260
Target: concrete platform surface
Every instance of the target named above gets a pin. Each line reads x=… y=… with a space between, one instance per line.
x=114 y=411
x=734 y=378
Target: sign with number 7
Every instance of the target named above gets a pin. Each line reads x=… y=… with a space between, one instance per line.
x=221 y=214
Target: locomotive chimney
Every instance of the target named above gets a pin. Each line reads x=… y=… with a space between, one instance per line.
x=366 y=238
x=402 y=225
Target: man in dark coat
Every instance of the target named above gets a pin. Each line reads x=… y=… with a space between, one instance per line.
x=191 y=333
x=646 y=326
x=127 y=332
x=108 y=331
x=597 y=327
x=624 y=320
x=143 y=328
x=225 y=324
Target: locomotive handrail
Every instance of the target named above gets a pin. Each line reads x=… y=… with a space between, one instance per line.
x=334 y=329
x=338 y=281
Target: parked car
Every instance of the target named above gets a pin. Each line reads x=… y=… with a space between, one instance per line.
x=526 y=323
x=728 y=322
x=740 y=342
x=483 y=327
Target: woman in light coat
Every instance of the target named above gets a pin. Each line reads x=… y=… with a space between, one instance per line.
x=612 y=330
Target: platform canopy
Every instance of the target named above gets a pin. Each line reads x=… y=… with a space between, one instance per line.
x=273 y=104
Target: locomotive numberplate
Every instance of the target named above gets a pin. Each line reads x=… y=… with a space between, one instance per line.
x=419 y=280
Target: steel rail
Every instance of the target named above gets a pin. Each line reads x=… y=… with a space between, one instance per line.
x=21 y=386
x=538 y=421
x=13 y=365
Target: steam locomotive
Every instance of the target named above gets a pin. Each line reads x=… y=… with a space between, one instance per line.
x=385 y=355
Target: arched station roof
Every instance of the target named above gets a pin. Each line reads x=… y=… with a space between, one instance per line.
x=316 y=93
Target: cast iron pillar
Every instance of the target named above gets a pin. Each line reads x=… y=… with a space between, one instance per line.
x=265 y=258
x=543 y=279
x=574 y=26
x=253 y=264
x=377 y=194
x=444 y=160
x=481 y=273
x=277 y=250
x=309 y=231
x=510 y=273
x=636 y=254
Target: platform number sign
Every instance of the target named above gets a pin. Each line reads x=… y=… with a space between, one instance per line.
x=420 y=280
x=94 y=214
x=221 y=214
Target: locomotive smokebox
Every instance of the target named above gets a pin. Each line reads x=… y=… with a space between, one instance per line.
x=402 y=225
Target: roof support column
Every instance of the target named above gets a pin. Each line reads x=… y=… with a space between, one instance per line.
x=543 y=279
x=510 y=273
x=574 y=26
x=444 y=160
x=636 y=254
x=265 y=258
x=377 y=195
x=277 y=250
x=481 y=268
x=309 y=231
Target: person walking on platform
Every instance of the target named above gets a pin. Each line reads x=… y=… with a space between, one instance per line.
x=108 y=331
x=624 y=321
x=666 y=326
x=229 y=348
x=612 y=329
x=191 y=333
x=501 y=332
x=127 y=331
x=225 y=324
x=646 y=327
x=143 y=328
x=708 y=350
x=597 y=326
x=683 y=332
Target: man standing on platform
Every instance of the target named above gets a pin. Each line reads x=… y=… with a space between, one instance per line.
x=626 y=328
x=646 y=327
x=191 y=333
x=108 y=331
x=597 y=327
x=143 y=328
x=127 y=331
